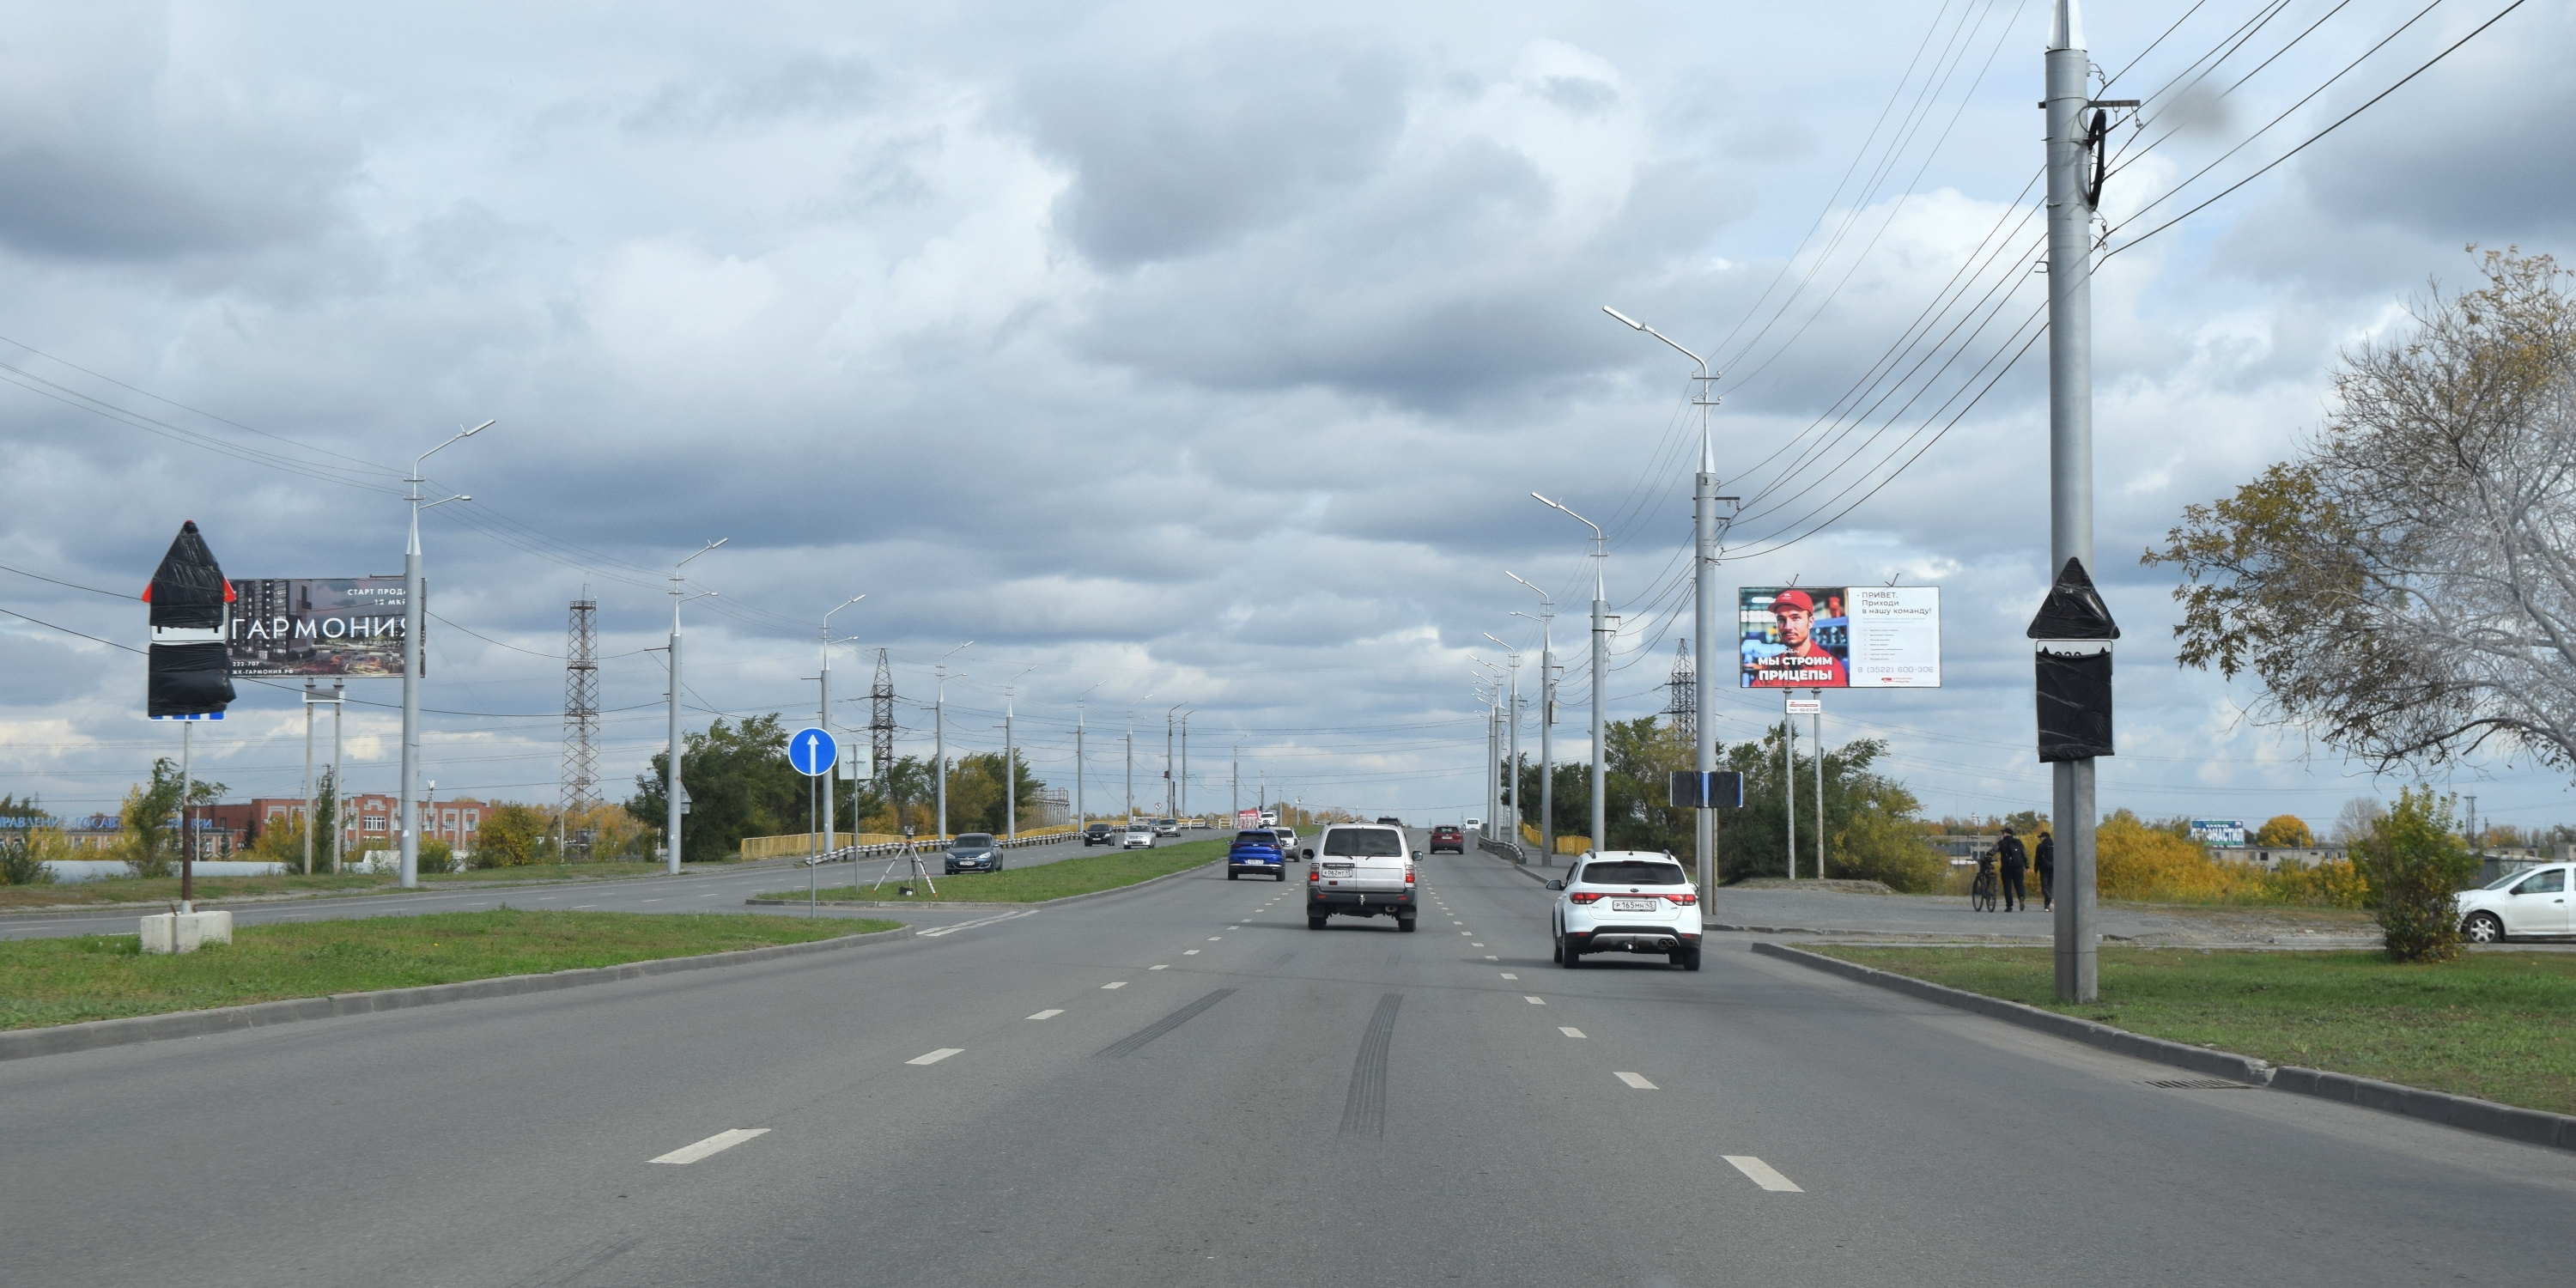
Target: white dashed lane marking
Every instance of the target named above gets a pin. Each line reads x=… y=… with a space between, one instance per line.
x=1763 y=1174
x=1639 y=1082
x=935 y=1056
x=1572 y=1033
x=717 y=1144
x=1119 y=984
x=1534 y=1001
x=1509 y=975
x=1164 y=966
x=1048 y=1014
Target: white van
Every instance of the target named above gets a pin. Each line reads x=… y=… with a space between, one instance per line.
x=1360 y=870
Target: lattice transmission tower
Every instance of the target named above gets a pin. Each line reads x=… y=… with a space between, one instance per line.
x=881 y=714
x=581 y=708
x=1683 y=706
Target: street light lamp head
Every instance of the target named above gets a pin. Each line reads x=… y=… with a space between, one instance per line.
x=1633 y=324
x=479 y=428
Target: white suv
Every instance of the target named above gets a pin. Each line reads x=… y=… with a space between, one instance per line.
x=1633 y=901
x=1360 y=870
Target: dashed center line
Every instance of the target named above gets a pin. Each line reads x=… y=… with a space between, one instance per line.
x=1048 y=1014
x=1762 y=1173
x=579 y=906
x=1476 y=945
x=1189 y=952
x=1639 y=1082
x=935 y=1056
x=1509 y=975
x=1213 y=938
x=1165 y=966
x=725 y=1140
x=1118 y=984
x=1534 y=1001
x=1569 y=1032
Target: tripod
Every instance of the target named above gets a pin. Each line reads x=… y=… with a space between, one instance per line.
x=914 y=856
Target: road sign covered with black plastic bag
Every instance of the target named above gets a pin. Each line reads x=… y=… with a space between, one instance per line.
x=190 y=665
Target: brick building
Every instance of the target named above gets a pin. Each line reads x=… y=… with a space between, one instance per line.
x=366 y=820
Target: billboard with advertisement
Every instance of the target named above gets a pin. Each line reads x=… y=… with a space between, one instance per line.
x=324 y=627
x=2226 y=833
x=1838 y=637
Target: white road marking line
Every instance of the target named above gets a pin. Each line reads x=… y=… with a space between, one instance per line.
x=1189 y=952
x=1115 y=984
x=1534 y=1001
x=715 y=1144
x=1639 y=1082
x=705 y=896
x=1042 y=1015
x=1572 y=1033
x=1492 y=958
x=1165 y=966
x=1509 y=975
x=935 y=1056
x=1472 y=945
x=656 y=900
x=1763 y=1173
x=579 y=906
x=1211 y=938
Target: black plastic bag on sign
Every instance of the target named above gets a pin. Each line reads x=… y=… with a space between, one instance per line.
x=190 y=679
x=188 y=589
x=2074 y=705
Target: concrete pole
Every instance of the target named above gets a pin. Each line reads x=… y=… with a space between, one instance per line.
x=1170 y=809
x=1789 y=784
x=1704 y=532
x=339 y=776
x=1512 y=748
x=939 y=748
x=1600 y=711
x=1185 y=762
x=308 y=777
x=1131 y=766
x=2070 y=462
x=1010 y=771
x=408 y=816
x=1820 y=784
x=671 y=785
x=1546 y=741
x=1081 y=768
x=832 y=780
x=187 y=841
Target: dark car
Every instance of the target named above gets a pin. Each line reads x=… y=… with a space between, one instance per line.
x=1391 y=822
x=974 y=852
x=1256 y=852
x=1100 y=834
x=1445 y=837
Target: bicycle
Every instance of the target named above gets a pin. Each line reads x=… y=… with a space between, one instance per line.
x=1982 y=892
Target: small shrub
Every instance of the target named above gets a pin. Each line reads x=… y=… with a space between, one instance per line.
x=22 y=858
x=2415 y=866
x=513 y=836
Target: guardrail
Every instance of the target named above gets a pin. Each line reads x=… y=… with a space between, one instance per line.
x=1505 y=849
x=880 y=849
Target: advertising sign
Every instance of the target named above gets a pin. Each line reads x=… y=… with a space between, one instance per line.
x=2225 y=832
x=319 y=626
x=1839 y=637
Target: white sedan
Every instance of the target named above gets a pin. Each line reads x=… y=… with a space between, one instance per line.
x=1137 y=838
x=2521 y=903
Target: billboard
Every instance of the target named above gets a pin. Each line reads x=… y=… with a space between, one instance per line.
x=319 y=626
x=2225 y=832
x=1838 y=637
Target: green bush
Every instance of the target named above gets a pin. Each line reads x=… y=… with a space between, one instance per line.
x=2415 y=866
x=22 y=861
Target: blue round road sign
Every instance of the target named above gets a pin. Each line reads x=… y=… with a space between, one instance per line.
x=812 y=751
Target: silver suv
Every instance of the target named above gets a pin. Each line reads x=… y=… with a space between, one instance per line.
x=1360 y=871
x=1631 y=901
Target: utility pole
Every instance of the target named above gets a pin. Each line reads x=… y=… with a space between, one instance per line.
x=1081 y=766
x=1170 y=810
x=1512 y=745
x=1011 y=758
x=832 y=781
x=2070 y=454
x=1789 y=785
x=1185 y=761
x=1546 y=725
x=2473 y=823
x=1707 y=528
x=310 y=689
x=1600 y=677
x=674 y=792
x=881 y=724
x=1819 y=740
x=339 y=789
x=1131 y=766
x=409 y=820
x=581 y=718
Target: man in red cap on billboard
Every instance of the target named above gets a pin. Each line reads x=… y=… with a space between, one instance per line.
x=1801 y=663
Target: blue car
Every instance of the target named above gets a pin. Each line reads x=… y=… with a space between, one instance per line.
x=1256 y=853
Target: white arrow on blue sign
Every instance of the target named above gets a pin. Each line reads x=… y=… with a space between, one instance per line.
x=812 y=752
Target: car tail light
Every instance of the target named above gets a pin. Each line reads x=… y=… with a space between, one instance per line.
x=1315 y=873
x=1585 y=896
x=1683 y=898
x=1408 y=874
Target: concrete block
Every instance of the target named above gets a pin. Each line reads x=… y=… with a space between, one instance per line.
x=186 y=932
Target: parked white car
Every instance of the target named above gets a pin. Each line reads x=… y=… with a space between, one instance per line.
x=2534 y=902
x=1630 y=901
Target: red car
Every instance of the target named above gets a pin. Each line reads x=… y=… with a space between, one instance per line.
x=1448 y=838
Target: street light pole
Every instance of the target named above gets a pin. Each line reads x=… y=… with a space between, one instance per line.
x=673 y=791
x=1546 y=724
x=831 y=785
x=1185 y=761
x=1011 y=758
x=939 y=737
x=2070 y=459
x=1512 y=657
x=1707 y=528
x=1600 y=677
x=408 y=821
x=1081 y=766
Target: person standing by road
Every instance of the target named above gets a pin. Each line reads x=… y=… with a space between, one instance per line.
x=2014 y=861
x=2044 y=860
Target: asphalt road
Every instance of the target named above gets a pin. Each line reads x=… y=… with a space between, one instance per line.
x=1184 y=1085
x=697 y=890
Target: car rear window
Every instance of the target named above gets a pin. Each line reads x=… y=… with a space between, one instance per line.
x=1633 y=872
x=1255 y=838
x=1364 y=843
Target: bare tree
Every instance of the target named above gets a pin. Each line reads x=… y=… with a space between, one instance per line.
x=2354 y=822
x=2406 y=588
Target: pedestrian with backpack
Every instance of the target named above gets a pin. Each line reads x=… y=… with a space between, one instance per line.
x=2014 y=860
x=2044 y=859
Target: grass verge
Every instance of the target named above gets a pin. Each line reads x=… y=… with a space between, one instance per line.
x=102 y=977
x=210 y=889
x=2494 y=1025
x=1032 y=885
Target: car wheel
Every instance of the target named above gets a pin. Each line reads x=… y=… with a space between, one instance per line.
x=1404 y=924
x=2483 y=928
x=1282 y=877
x=1556 y=953
x=1314 y=923
x=1566 y=956
x=1686 y=958
x=1229 y=874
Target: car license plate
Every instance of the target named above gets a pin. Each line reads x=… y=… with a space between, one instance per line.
x=1634 y=905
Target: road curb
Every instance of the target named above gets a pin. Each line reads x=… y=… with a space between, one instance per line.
x=63 y=1038
x=2468 y=1113
x=104 y=910
x=974 y=907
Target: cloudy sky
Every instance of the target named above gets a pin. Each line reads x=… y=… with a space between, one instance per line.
x=1184 y=353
